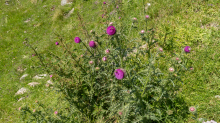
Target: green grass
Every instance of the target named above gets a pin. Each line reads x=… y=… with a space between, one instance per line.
x=190 y=23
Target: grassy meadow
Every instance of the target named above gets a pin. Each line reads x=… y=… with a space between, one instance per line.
x=177 y=23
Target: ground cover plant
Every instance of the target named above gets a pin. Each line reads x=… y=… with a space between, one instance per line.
x=156 y=83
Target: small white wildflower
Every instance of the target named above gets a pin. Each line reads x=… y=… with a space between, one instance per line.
x=148 y=4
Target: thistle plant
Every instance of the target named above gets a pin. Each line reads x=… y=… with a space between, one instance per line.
x=106 y=84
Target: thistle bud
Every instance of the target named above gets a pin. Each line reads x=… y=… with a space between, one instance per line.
x=171 y=69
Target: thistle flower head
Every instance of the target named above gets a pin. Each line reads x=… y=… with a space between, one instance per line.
x=56 y=112
x=104 y=58
x=147 y=16
x=107 y=51
x=111 y=30
x=119 y=73
x=91 y=62
x=142 y=31
x=171 y=69
x=161 y=49
x=104 y=2
x=77 y=40
x=192 y=109
x=120 y=113
x=97 y=68
x=92 y=44
x=134 y=19
x=51 y=76
x=57 y=43
x=111 y=23
x=177 y=59
x=187 y=49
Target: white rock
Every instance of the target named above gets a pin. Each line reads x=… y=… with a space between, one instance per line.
x=70 y=12
x=21 y=91
x=144 y=47
x=217 y=96
x=22 y=77
x=50 y=82
x=33 y=84
x=26 y=21
x=64 y=2
x=25 y=56
x=41 y=76
x=21 y=99
x=212 y=121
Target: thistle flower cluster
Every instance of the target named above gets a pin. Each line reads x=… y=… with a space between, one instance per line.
x=104 y=77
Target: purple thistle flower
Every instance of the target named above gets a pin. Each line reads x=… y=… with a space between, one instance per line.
x=51 y=76
x=77 y=39
x=187 y=49
x=33 y=54
x=56 y=112
x=119 y=73
x=57 y=43
x=117 y=7
x=107 y=51
x=92 y=44
x=104 y=2
x=119 y=17
x=111 y=30
x=111 y=23
x=147 y=16
x=104 y=58
x=91 y=62
x=103 y=15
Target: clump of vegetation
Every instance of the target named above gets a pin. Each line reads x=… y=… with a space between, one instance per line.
x=159 y=65
x=112 y=82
